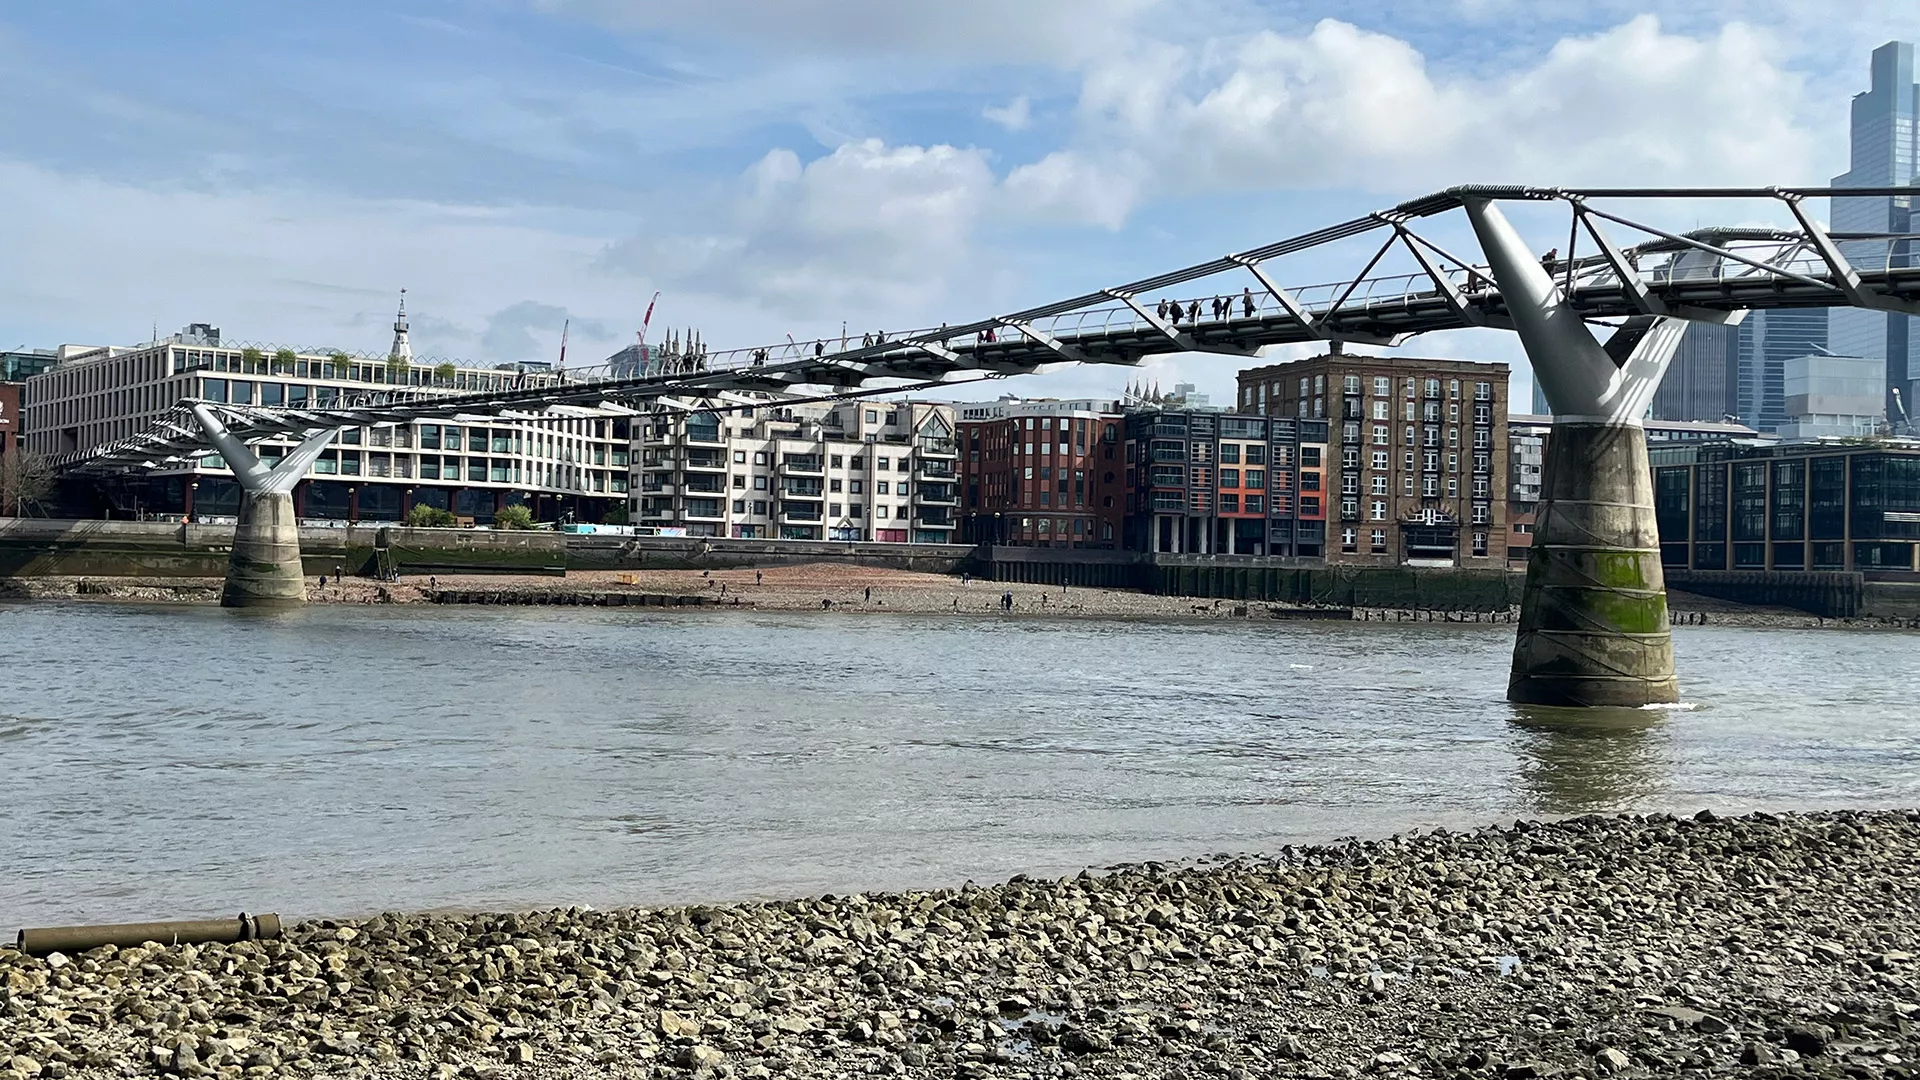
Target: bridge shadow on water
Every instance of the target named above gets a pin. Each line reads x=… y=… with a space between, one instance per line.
x=1578 y=761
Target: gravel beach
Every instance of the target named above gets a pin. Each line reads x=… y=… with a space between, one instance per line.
x=1764 y=946
x=852 y=590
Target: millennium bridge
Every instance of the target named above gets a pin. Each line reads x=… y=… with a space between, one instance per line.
x=1599 y=321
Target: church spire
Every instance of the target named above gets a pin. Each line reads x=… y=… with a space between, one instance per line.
x=402 y=348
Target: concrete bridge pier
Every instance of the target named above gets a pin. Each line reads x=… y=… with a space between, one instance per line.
x=1593 y=616
x=264 y=568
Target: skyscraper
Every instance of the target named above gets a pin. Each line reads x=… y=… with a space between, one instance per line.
x=1704 y=381
x=1883 y=155
x=1768 y=338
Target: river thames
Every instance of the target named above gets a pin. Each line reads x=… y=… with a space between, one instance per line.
x=341 y=760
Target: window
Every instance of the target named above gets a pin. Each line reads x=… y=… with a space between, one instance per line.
x=880 y=511
x=1379 y=434
x=1350 y=431
x=760 y=507
x=1431 y=413
x=1351 y=384
x=1310 y=505
x=834 y=459
x=759 y=483
x=1408 y=387
x=853 y=487
x=832 y=485
x=902 y=464
x=1256 y=504
x=833 y=510
x=1256 y=479
x=1229 y=453
x=1430 y=487
x=1256 y=455
x=1380 y=459
x=1482 y=513
x=1453 y=412
x=1303 y=386
x=1319 y=384
x=760 y=457
x=1377 y=539
x=1229 y=503
x=1380 y=411
x=740 y=458
x=1349 y=509
x=740 y=481
x=1453 y=388
x=1310 y=481
x=1479 y=543
x=1382 y=386
x=881 y=465
x=1406 y=485
x=1349 y=539
x=739 y=506
x=873 y=416
x=1310 y=456
x=1453 y=488
x=1433 y=388
x=1350 y=484
x=880 y=487
x=1350 y=457
x=856 y=462
x=1483 y=391
x=855 y=510
x=1379 y=484
x=1229 y=478
x=1378 y=511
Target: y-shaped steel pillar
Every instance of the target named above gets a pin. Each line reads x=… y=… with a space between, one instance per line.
x=264 y=568
x=1593 y=618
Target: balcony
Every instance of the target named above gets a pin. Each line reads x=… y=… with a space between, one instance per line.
x=931 y=519
x=800 y=489
x=799 y=512
x=658 y=489
x=810 y=464
x=706 y=459
x=933 y=470
x=705 y=485
x=937 y=495
x=939 y=448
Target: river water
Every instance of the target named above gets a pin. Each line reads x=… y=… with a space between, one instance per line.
x=188 y=762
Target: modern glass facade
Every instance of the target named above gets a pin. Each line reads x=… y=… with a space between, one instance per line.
x=1804 y=507
x=1767 y=339
x=1882 y=155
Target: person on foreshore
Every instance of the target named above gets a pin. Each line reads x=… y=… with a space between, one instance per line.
x=756 y=577
x=867 y=594
x=1006 y=600
x=826 y=605
x=323 y=582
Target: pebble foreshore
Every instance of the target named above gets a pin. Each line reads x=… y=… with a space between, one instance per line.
x=1763 y=946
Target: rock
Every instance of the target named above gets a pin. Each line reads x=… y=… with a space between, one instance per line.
x=1611 y=1060
x=521 y=1054
x=701 y=1058
x=1809 y=1040
x=1756 y=1053
x=675 y=1026
x=24 y=1065
x=1080 y=1041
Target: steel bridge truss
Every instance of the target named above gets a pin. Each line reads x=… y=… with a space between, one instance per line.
x=1408 y=285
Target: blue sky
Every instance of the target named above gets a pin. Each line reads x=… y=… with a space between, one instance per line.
x=779 y=166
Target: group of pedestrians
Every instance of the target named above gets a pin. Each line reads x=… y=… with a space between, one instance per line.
x=1220 y=307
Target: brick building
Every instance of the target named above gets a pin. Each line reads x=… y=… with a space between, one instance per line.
x=1042 y=473
x=1417 y=453
x=1206 y=482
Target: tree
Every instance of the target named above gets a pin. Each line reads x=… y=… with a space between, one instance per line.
x=445 y=373
x=342 y=364
x=615 y=516
x=516 y=516
x=25 y=481
x=397 y=369
x=252 y=360
x=423 y=516
x=283 y=362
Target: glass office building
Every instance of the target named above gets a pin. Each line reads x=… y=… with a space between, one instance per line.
x=1883 y=155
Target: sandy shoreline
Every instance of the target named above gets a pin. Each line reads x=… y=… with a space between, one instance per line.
x=839 y=589
x=1769 y=946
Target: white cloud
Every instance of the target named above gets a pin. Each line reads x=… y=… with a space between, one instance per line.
x=1341 y=107
x=866 y=230
x=1015 y=115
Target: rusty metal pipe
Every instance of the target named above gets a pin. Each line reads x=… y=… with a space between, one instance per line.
x=77 y=939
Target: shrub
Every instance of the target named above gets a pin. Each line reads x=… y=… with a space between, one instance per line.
x=514 y=517
x=423 y=516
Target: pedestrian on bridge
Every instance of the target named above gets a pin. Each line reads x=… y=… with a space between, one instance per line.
x=1193 y=312
x=1246 y=301
x=1162 y=309
x=1173 y=313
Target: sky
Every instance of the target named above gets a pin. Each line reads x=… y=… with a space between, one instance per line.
x=775 y=167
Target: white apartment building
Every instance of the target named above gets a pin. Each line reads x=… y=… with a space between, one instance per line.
x=851 y=470
x=574 y=464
